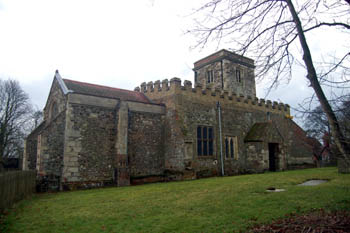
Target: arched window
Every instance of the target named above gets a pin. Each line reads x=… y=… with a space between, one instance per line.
x=231 y=147
x=210 y=76
x=268 y=115
x=238 y=76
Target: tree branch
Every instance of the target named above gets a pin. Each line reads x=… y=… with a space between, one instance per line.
x=328 y=24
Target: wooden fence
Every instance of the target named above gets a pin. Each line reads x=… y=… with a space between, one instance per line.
x=14 y=186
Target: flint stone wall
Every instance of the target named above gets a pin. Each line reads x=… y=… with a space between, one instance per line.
x=57 y=98
x=224 y=65
x=31 y=147
x=90 y=145
x=52 y=150
x=236 y=122
x=145 y=144
x=247 y=84
x=189 y=107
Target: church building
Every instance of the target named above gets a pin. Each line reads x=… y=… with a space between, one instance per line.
x=165 y=130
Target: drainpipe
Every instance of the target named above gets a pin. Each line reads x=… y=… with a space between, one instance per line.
x=222 y=75
x=220 y=133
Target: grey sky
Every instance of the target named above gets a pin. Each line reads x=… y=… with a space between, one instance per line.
x=113 y=43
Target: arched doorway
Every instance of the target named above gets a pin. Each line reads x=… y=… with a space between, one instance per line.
x=273 y=157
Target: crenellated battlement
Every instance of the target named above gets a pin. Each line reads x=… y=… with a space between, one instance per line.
x=158 y=89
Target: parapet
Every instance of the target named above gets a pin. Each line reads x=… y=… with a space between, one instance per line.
x=159 y=89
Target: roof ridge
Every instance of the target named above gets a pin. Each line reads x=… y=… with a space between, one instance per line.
x=105 y=91
x=98 y=85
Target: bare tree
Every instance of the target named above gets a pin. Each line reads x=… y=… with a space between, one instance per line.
x=316 y=123
x=344 y=118
x=15 y=111
x=269 y=30
x=37 y=118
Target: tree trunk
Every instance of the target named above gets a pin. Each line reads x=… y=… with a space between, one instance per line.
x=1 y=153
x=344 y=155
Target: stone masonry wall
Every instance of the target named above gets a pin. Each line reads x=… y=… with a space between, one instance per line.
x=174 y=145
x=202 y=78
x=55 y=100
x=236 y=122
x=192 y=114
x=145 y=144
x=223 y=65
x=246 y=86
x=90 y=150
x=257 y=157
x=52 y=144
x=189 y=107
x=31 y=148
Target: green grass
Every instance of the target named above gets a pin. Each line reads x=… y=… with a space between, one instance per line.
x=220 y=204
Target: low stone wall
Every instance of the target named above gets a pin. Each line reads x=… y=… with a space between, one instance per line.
x=14 y=186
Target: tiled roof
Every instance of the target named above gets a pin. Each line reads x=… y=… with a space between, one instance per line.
x=263 y=131
x=104 y=91
x=257 y=133
x=315 y=144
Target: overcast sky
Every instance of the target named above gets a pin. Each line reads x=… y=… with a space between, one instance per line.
x=106 y=42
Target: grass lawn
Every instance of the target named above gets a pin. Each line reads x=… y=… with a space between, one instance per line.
x=219 y=204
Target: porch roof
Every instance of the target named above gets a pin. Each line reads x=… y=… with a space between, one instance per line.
x=263 y=132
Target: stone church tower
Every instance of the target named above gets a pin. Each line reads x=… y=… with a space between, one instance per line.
x=227 y=71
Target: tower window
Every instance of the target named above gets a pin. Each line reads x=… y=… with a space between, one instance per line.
x=210 y=76
x=238 y=76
